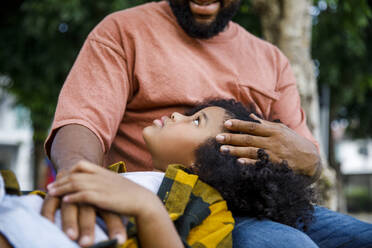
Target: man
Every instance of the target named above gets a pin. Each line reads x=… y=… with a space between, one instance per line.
x=155 y=59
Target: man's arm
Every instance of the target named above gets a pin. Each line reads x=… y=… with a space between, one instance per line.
x=74 y=143
x=94 y=96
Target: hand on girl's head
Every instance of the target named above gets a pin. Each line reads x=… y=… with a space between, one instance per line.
x=280 y=142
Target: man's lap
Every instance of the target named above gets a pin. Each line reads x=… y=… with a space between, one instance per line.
x=252 y=233
x=329 y=229
x=332 y=229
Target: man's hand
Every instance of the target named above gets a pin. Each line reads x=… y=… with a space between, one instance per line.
x=278 y=141
x=78 y=220
x=71 y=144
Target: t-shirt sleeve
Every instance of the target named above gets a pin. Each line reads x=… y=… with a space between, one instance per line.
x=96 y=90
x=288 y=108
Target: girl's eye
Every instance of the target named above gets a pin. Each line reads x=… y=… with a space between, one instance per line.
x=196 y=121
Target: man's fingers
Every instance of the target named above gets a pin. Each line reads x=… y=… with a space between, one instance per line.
x=69 y=214
x=115 y=226
x=255 y=117
x=242 y=152
x=246 y=161
x=49 y=207
x=264 y=128
x=243 y=140
x=247 y=155
x=87 y=220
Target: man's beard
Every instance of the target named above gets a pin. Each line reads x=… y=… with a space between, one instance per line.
x=186 y=20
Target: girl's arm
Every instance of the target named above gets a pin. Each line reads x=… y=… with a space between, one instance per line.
x=90 y=184
x=155 y=229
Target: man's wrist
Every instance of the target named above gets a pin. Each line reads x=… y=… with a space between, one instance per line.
x=318 y=172
x=310 y=158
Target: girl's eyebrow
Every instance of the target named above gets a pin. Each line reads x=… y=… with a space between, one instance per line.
x=205 y=117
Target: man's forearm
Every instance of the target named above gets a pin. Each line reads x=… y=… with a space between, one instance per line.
x=313 y=163
x=318 y=171
x=74 y=143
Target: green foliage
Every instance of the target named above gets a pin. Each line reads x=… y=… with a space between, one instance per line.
x=249 y=19
x=358 y=199
x=39 y=43
x=342 y=43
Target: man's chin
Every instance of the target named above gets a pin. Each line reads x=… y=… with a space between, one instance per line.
x=202 y=27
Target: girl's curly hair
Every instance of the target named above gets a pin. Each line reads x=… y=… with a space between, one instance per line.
x=264 y=190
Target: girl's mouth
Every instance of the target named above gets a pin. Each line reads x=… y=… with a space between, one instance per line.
x=158 y=123
x=161 y=122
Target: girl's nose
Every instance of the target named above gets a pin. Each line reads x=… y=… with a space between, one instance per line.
x=177 y=116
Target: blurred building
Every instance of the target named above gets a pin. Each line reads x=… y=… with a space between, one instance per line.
x=355 y=157
x=15 y=140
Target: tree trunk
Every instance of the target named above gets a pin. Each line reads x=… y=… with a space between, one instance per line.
x=39 y=162
x=333 y=163
x=288 y=25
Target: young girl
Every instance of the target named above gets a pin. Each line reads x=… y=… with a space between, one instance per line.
x=201 y=219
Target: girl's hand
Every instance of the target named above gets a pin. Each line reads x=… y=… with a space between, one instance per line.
x=91 y=184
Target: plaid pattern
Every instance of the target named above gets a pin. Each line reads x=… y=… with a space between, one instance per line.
x=198 y=211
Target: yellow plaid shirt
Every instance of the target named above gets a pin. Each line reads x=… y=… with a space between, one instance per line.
x=198 y=211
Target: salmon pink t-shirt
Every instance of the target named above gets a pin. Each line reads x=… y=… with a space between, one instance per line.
x=138 y=65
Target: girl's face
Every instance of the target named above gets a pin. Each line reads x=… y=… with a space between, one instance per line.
x=173 y=140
